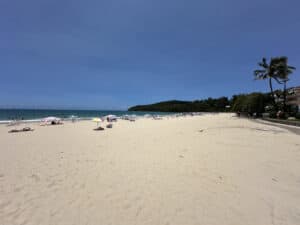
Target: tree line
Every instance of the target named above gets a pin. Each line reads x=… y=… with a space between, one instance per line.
x=255 y=103
x=207 y=105
x=251 y=103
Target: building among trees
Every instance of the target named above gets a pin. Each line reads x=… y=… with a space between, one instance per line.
x=293 y=97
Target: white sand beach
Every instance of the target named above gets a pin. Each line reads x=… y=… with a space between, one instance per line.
x=212 y=169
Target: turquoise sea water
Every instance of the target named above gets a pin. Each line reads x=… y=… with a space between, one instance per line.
x=29 y=114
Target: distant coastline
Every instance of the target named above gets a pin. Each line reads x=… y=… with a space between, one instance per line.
x=255 y=103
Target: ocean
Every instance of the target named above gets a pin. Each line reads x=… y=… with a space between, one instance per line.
x=35 y=114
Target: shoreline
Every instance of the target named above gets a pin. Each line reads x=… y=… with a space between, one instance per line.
x=7 y=115
x=125 y=114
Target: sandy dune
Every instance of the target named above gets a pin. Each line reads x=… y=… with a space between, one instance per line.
x=212 y=169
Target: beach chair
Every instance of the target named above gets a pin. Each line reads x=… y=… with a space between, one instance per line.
x=25 y=129
x=99 y=128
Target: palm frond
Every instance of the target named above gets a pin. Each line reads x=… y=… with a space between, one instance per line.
x=260 y=76
x=263 y=63
x=277 y=80
x=256 y=72
x=264 y=60
x=291 y=67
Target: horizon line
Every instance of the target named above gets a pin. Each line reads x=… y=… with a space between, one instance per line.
x=58 y=108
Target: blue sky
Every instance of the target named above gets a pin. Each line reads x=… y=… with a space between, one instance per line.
x=116 y=53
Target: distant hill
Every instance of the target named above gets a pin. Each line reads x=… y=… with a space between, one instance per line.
x=246 y=103
x=208 y=105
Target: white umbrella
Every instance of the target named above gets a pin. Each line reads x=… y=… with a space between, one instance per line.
x=111 y=117
x=51 y=120
x=97 y=120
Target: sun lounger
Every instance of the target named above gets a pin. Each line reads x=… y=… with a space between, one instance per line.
x=99 y=128
x=25 y=129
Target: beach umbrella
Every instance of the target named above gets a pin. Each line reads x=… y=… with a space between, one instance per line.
x=51 y=119
x=111 y=117
x=97 y=120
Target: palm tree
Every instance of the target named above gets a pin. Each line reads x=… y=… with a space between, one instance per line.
x=268 y=71
x=278 y=70
x=283 y=70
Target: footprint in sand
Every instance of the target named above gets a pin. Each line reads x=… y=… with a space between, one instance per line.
x=127 y=206
x=18 y=189
x=178 y=210
x=4 y=205
x=52 y=184
x=185 y=150
x=35 y=177
x=138 y=211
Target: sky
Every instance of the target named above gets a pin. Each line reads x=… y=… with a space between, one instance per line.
x=112 y=54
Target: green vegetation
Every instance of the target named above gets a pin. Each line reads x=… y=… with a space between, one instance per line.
x=244 y=103
x=251 y=103
x=208 y=105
